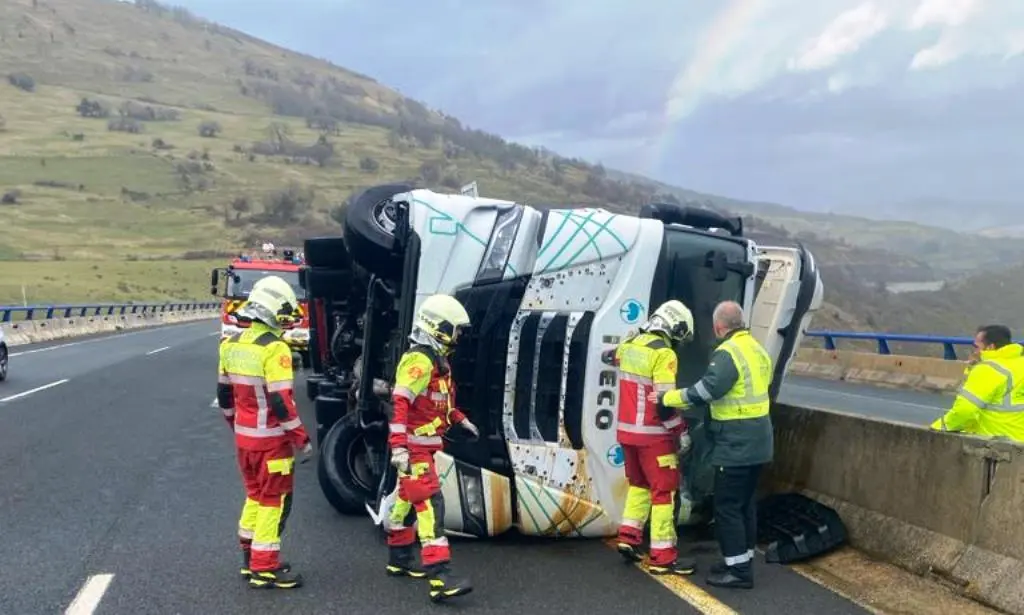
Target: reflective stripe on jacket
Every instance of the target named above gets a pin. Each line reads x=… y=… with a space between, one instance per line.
x=257 y=366
x=748 y=397
x=646 y=363
x=424 y=401
x=991 y=400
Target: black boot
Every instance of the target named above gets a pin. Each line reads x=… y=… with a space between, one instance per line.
x=275 y=579
x=246 y=572
x=445 y=585
x=733 y=577
x=683 y=566
x=629 y=552
x=402 y=563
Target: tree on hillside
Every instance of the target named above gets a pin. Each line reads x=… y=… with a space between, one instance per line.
x=209 y=129
x=92 y=108
x=288 y=205
x=22 y=81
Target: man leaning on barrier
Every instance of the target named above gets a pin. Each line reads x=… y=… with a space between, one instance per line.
x=991 y=401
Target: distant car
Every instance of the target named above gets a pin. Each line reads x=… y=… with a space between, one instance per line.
x=4 y=356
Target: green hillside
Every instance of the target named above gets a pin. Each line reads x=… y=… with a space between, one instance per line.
x=140 y=145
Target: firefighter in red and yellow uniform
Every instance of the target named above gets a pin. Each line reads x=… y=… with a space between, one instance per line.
x=424 y=408
x=255 y=392
x=652 y=438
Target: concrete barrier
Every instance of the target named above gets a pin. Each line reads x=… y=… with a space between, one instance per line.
x=946 y=506
x=898 y=371
x=44 y=330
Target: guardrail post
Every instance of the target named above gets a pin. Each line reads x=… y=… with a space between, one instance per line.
x=949 y=351
x=5 y=316
x=830 y=343
x=883 y=346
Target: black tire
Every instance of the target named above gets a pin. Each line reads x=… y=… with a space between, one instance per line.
x=4 y=359
x=369 y=240
x=343 y=468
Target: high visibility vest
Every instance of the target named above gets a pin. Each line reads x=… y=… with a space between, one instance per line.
x=748 y=397
x=991 y=401
x=424 y=401
x=256 y=363
x=646 y=363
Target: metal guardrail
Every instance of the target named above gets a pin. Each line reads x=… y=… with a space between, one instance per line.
x=949 y=343
x=44 y=312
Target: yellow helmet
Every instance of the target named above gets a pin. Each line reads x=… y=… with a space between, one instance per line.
x=673 y=319
x=441 y=317
x=272 y=302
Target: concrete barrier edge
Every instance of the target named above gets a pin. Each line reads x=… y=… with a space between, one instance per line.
x=941 y=506
x=43 y=330
x=895 y=371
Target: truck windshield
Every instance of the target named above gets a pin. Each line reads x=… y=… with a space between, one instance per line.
x=683 y=274
x=248 y=277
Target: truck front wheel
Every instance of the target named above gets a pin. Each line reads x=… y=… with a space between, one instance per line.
x=343 y=467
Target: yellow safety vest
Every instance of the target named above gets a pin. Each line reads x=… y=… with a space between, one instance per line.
x=748 y=397
x=991 y=400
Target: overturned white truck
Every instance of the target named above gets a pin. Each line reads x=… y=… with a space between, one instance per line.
x=548 y=290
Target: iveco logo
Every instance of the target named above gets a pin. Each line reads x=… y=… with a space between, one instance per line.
x=631 y=311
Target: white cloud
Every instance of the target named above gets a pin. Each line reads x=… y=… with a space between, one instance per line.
x=943 y=13
x=843 y=36
x=949 y=48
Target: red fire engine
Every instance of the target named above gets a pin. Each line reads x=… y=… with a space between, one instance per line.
x=238 y=279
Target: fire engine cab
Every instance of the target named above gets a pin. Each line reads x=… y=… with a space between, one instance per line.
x=234 y=283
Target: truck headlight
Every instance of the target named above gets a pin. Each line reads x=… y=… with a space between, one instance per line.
x=496 y=256
x=473 y=492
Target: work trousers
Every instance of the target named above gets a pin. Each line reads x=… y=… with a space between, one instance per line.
x=419 y=510
x=268 y=478
x=652 y=471
x=736 y=513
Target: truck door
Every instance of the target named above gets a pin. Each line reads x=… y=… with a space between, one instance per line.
x=788 y=292
x=701 y=270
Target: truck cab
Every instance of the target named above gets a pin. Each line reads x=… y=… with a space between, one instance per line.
x=234 y=282
x=548 y=290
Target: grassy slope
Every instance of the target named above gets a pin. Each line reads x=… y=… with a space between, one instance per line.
x=110 y=245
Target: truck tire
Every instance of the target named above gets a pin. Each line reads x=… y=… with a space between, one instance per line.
x=369 y=223
x=343 y=468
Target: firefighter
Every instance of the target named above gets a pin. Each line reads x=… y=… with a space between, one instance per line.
x=991 y=401
x=255 y=392
x=424 y=408
x=735 y=390
x=652 y=438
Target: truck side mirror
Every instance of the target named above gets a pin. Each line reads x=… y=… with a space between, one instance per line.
x=214 y=278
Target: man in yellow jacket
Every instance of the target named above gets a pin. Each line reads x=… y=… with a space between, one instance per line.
x=991 y=401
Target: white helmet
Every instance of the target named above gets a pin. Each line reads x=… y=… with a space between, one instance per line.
x=440 y=318
x=272 y=302
x=673 y=319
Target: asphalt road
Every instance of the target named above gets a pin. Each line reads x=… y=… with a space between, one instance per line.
x=125 y=469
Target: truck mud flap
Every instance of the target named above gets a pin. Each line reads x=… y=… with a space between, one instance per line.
x=795 y=528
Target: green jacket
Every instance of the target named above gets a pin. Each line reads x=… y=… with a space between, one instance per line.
x=733 y=443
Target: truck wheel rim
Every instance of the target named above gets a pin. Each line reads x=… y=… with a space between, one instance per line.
x=384 y=216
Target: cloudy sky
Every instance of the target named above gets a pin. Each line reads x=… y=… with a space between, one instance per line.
x=818 y=104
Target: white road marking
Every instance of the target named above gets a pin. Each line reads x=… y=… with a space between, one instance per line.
x=157 y=350
x=88 y=598
x=214 y=403
x=31 y=391
x=879 y=398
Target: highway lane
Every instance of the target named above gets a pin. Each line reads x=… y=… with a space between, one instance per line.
x=916 y=407
x=126 y=470
x=41 y=364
